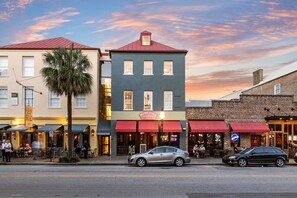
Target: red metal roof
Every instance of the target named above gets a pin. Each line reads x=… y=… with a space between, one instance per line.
x=148 y=126
x=125 y=126
x=172 y=126
x=48 y=44
x=137 y=46
x=209 y=126
x=249 y=127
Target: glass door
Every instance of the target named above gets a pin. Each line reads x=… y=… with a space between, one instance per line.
x=279 y=140
x=105 y=145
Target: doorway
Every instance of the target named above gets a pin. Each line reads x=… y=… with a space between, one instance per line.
x=105 y=145
x=279 y=140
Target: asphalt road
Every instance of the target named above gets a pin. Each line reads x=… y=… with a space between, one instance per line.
x=156 y=181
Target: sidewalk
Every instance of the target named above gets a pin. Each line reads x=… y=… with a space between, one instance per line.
x=108 y=160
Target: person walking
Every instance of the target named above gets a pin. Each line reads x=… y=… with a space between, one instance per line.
x=8 y=150
x=3 y=150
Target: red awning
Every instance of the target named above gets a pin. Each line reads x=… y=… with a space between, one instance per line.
x=209 y=126
x=249 y=127
x=125 y=126
x=148 y=126
x=172 y=126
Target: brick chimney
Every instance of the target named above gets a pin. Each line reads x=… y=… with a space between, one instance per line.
x=257 y=76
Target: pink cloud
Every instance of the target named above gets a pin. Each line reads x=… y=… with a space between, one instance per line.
x=12 y=7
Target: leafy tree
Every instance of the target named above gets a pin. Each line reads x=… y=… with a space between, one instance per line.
x=66 y=73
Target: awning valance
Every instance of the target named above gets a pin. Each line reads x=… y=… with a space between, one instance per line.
x=172 y=126
x=208 y=126
x=19 y=128
x=104 y=127
x=79 y=128
x=125 y=126
x=148 y=126
x=249 y=127
x=4 y=126
x=50 y=127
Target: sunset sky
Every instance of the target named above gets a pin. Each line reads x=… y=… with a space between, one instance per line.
x=227 y=39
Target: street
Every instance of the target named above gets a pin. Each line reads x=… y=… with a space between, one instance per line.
x=154 y=181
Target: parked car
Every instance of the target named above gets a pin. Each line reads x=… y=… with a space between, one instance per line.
x=258 y=155
x=161 y=155
x=295 y=157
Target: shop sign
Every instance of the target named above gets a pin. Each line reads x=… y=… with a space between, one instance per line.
x=148 y=115
x=234 y=137
x=28 y=116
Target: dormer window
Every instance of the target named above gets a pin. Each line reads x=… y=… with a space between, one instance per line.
x=146 y=40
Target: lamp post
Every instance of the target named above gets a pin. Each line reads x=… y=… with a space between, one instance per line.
x=162 y=116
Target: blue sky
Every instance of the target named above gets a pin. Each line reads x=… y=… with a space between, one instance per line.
x=227 y=39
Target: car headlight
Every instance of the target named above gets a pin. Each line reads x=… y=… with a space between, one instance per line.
x=232 y=157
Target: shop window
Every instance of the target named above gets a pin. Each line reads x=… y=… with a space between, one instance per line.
x=219 y=140
x=131 y=139
x=210 y=139
x=275 y=127
x=192 y=139
x=121 y=139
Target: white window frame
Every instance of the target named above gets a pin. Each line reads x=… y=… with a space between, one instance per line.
x=79 y=105
x=170 y=70
x=168 y=105
x=125 y=101
x=53 y=97
x=277 y=88
x=127 y=70
x=145 y=94
x=28 y=69
x=29 y=96
x=146 y=40
x=3 y=66
x=3 y=97
x=148 y=68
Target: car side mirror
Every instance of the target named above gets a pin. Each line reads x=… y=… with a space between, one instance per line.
x=151 y=153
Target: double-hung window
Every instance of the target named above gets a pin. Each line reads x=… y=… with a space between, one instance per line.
x=168 y=100
x=81 y=101
x=277 y=88
x=128 y=100
x=3 y=97
x=54 y=100
x=3 y=66
x=148 y=68
x=148 y=100
x=168 y=68
x=28 y=66
x=28 y=96
x=128 y=67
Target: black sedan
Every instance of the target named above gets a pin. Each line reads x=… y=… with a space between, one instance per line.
x=258 y=155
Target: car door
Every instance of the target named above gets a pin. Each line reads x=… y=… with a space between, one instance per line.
x=170 y=154
x=269 y=155
x=256 y=156
x=156 y=155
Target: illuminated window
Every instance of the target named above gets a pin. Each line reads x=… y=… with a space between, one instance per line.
x=128 y=100
x=148 y=100
x=148 y=68
x=168 y=68
x=128 y=67
x=146 y=40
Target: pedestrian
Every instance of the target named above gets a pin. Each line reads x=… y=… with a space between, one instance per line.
x=86 y=149
x=202 y=150
x=195 y=151
x=3 y=150
x=235 y=148
x=8 y=150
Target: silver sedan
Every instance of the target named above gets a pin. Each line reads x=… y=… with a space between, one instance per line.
x=161 y=155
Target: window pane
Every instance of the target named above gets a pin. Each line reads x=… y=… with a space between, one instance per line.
x=128 y=100
x=28 y=96
x=3 y=97
x=168 y=100
x=148 y=100
x=168 y=68
x=128 y=67
x=3 y=65
x=148 y=68
x=145 y=40
x=54 y=100
x=28 y=66
x=81 y=101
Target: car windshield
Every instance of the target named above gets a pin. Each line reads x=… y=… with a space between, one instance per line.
x=246 y=150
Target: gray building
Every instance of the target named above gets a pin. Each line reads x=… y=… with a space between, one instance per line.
x=147 y=96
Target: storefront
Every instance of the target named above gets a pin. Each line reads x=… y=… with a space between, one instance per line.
x=126 y=136
x=103 y=132
x=21 y=135
x=52 y=135
x=209 y=133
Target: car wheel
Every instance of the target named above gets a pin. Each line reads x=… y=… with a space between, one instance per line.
x=141 y=162
x=279 y=162
x=242 y=162
x=179 y=162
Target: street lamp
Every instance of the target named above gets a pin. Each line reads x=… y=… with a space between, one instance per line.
x=162 y=116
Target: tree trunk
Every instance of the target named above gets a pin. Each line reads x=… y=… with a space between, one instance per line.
x=69 y=120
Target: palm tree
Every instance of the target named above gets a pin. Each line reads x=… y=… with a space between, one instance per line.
x=66 y=73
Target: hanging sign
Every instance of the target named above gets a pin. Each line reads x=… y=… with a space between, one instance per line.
x=234 y=137
x=28 y=116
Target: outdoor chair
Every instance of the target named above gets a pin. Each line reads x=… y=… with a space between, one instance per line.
x=216 y=153
x=206 y=153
